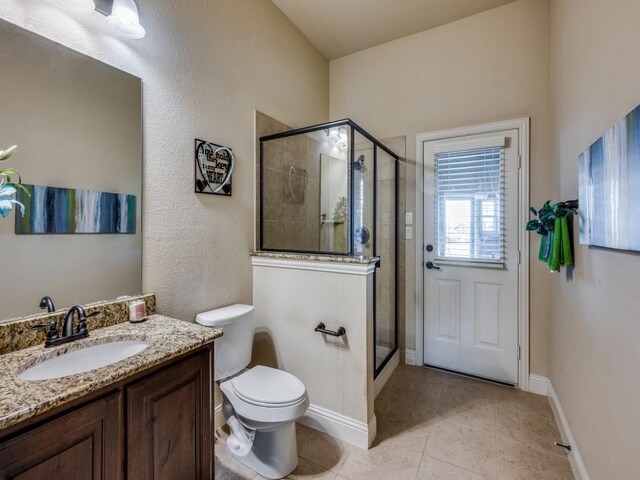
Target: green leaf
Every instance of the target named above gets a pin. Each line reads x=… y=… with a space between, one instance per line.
x=19 y=186
x=9 y=171
x=4 y=154
x=533 y=225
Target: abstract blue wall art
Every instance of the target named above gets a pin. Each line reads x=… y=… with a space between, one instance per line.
x=52 y=210
x=609 y=183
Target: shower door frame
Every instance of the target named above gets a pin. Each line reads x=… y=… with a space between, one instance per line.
x=354 y=127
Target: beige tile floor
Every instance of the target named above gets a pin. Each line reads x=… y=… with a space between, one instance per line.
x=435 y=426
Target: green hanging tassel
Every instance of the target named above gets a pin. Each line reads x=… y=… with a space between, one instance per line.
x=543 y=245
x=556 y=250
x=567 y=254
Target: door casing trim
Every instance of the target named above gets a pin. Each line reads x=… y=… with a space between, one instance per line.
x=523 y=127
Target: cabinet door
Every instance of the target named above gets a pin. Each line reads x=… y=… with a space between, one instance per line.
x=82 y=445
x=169 y=423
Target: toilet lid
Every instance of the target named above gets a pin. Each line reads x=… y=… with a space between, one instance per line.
x=268 y=386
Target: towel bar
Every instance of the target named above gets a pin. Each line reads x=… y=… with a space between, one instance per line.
x=573 y=204
x=337 y=333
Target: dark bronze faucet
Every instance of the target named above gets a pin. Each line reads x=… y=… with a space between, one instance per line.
x=47 y=303
x=68 y=335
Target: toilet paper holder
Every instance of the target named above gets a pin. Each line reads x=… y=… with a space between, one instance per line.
x=334 y=333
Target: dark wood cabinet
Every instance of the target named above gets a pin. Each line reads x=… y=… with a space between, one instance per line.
x=168 y=423
x=84 y=444
x=155 y=425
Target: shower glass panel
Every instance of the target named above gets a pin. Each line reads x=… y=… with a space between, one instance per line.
x=334 y=194
x=385 y=248
x=363 y=172
x=331 y=189
x=305 y=192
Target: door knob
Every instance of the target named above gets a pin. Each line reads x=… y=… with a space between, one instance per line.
x=432 y=266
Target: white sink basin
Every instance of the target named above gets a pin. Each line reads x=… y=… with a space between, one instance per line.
x=84 y=359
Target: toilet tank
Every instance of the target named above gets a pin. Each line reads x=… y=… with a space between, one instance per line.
x=232 y=351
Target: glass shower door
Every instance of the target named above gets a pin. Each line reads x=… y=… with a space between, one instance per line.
x=385 y=248
x=363 y=182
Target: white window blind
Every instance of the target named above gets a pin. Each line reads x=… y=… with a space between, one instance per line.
x=469 y=193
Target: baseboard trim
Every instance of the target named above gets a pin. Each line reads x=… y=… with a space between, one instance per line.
x=575 y=459
x=538 y=384
x=409 y=356
x=339 y=426
x=385 y=374
x=332 y=423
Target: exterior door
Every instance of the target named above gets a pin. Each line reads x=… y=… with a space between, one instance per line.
x=471 y=256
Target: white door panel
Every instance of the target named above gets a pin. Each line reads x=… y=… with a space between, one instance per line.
x=471 y=221
x=448 y=298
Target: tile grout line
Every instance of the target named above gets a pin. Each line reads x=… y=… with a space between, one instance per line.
x=424 y=448
x=440 y=397
x=456 y=466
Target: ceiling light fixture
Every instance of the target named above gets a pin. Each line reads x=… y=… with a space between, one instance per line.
x=124 y=19
x=343 y=136
x=83 y=6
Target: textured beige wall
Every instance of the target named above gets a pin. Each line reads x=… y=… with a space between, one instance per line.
x=489 y=67
x=595 y=330
x=205 y=66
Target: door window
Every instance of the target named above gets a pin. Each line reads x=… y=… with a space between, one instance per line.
x=469 y=186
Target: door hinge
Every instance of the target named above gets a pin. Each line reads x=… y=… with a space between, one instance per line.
x=519 y=257
x=519 y=352
x=519 y=161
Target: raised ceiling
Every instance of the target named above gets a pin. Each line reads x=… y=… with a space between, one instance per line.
x=341 y=27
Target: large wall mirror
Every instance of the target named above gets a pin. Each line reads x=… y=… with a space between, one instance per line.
x=78 y=126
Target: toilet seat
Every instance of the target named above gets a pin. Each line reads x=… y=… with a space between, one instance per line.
x=268 y=387
x=262 y=396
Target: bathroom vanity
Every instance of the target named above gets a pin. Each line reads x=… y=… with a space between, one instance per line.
x=147 y=416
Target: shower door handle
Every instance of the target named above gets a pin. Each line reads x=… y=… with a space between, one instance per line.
x=362 y=235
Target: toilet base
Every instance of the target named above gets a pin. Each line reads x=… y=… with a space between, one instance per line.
x=274 y=453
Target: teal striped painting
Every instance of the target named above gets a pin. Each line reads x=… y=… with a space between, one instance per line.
x=53 y=210
x=609 y=186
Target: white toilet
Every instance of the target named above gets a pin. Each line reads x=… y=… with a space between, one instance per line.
x=261 y=404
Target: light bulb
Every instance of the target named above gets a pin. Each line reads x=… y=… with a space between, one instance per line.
x=342 y=135
x=124 y=19
x=83 y=6
x=333 y=134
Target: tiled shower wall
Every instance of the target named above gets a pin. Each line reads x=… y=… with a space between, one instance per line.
x=291 y=189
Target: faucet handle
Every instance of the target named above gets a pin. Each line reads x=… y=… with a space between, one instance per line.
x=52 y=332
x=82 y=322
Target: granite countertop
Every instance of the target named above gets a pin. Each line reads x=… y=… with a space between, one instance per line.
x=361 y=260
x=22 y=399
